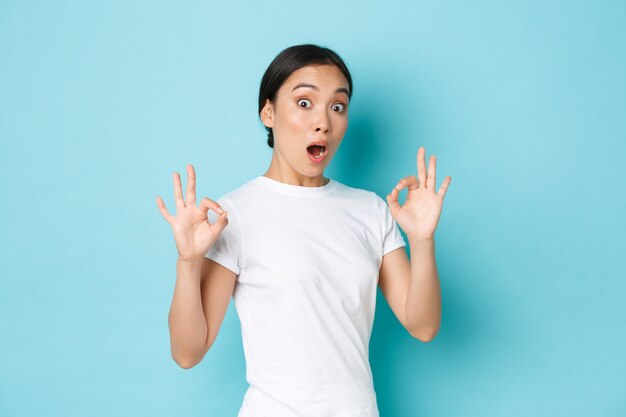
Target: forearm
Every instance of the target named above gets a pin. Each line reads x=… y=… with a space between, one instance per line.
x=423 y=304
x=187 y=322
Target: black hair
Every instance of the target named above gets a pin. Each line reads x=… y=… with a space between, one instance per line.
x=287 y=62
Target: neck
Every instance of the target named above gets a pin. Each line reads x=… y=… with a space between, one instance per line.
x=281 y=171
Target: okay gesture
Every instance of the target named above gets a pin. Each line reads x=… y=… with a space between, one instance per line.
x=419 y=215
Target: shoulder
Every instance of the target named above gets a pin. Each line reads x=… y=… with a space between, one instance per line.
x=237 y=196
x=358 y=195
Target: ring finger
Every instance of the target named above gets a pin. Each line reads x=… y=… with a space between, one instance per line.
x=178 y=192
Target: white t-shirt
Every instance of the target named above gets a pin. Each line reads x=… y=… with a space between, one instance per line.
x=307 y=261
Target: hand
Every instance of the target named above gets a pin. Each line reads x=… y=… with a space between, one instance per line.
x=193 y=234
x=419 y=215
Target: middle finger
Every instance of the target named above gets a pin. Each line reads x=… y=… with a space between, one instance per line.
x=432 y=181
x=191 y=185
x=421 y=166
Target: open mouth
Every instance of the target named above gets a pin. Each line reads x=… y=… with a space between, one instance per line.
x=317 y=151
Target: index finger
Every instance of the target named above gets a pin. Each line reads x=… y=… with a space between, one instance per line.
x=392 y=200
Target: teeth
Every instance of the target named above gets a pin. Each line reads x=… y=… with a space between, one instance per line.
x=321 y=153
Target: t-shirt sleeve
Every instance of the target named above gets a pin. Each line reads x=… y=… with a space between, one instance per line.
x=226 y=250
x=392 y=237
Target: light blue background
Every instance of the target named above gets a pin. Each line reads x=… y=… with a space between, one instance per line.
x=524 y=104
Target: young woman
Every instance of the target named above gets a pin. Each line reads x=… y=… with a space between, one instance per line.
x=302 y=254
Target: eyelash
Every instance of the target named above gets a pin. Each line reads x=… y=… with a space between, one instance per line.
x=342 y=104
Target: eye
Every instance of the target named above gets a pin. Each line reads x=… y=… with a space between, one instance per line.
x=341 y=106
x=304 y=100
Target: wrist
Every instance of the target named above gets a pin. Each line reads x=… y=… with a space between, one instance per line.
x=189 y=262
x=421 y=240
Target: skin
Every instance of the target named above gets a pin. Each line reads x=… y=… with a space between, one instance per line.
x=203 y=287
x=302 y=116
x=412 y=287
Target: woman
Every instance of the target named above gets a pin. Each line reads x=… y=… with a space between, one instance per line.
x=302 y=254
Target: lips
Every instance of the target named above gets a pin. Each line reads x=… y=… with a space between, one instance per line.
x=317 y=150
x=317 y=153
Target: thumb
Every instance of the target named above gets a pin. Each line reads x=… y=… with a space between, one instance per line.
x=222 y=219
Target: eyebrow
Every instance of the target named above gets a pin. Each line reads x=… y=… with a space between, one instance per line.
x=339 y=90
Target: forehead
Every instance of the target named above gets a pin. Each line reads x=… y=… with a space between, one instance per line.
x=325 y=77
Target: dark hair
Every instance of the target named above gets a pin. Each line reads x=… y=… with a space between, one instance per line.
x=287 y=62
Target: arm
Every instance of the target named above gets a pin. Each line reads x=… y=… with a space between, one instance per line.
x=200 y=302
x=411 y=290
x=187 y=322
x=202 y=291
x=419 y=281
x=423 y=303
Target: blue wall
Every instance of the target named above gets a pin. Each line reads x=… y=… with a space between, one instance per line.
x=524 y=104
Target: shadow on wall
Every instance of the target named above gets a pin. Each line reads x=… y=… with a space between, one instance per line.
x=382 y=139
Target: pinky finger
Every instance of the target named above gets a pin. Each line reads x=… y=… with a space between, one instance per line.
x=444 y=186
x=166 y=214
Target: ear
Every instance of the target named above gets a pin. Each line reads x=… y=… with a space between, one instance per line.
x=267 y=114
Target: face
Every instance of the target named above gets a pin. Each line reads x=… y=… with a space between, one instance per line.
x=310 y=107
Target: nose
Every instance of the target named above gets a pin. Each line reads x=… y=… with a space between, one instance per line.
x=322 y=123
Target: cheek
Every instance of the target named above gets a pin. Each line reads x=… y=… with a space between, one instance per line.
x=295 y=119
x=291 y=119
x=340 y=124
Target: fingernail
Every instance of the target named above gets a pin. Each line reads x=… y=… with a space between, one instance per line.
x=219 y=210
